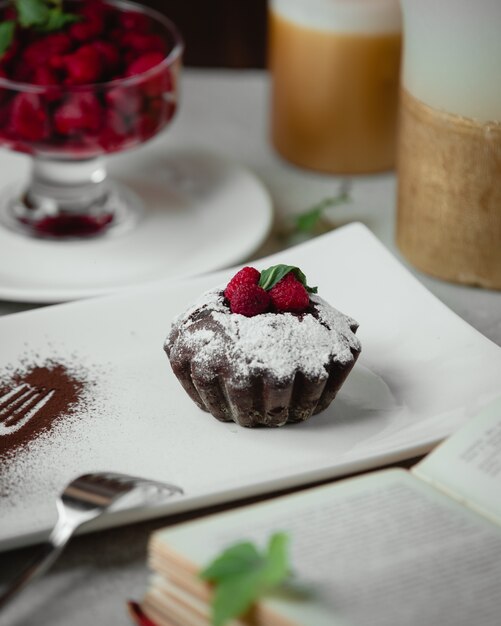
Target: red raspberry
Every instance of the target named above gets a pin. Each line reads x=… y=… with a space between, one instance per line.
x=249 y=300
x=108 y=53
x=11 y=53
x=110 y=141
x=10 y=13
x=116 y=123
x=29 y=119
x=81 y=112
x=289 y=295
x=142 y=44
x=85 y=31
x=118 y=132
x=98 y=10
x=40 y=51
x=83 y=66
x=43 y=75
x=152 y=86
x=57 y=62
x=93 y=24
x=144 y=63
x=125 y=100
x=4 y=93
x=21 y=72
x=149 y=125
x=246 y=276
x=5 y=114
x=134 y=21
x=152 y=117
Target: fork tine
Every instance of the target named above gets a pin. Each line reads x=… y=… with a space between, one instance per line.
x=160 y=486
x=103 y=488
x=139 y=481
x=95 y=489
x=11 y=396
x=20 y=403
x=17 y=403
x=19 y=399
x=32 y=404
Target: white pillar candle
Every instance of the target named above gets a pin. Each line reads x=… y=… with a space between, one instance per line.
x=452 y=57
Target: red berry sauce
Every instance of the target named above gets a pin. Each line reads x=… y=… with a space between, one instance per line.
x=67 y=225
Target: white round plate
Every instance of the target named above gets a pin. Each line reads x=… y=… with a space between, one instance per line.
x=201 y=213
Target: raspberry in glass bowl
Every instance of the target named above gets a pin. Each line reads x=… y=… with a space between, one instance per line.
x=105 y=82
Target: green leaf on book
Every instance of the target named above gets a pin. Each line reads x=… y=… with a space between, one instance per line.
x=242 y=574
x=274 y=274
x=7 y=30
x=277 y=566
x=238 y=559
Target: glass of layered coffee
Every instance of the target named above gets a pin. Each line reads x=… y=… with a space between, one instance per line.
x=449 y=154
x=335 y=71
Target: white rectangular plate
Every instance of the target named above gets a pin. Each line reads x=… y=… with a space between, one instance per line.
x=423 y=371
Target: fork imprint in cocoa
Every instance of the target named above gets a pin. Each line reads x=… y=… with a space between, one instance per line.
x=21 y=404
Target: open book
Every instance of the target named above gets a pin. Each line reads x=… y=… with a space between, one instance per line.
x=392 y=548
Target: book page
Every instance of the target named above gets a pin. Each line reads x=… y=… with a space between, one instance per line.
x=381 y=550
x=468 y=465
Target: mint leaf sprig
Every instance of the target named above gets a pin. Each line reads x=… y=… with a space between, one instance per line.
x=305 y=222
x=274 y=274
x=312 y=221
x=44 y=15
x=242 y=574
x=7 y=30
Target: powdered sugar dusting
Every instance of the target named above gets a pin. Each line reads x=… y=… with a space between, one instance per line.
x=277 y=345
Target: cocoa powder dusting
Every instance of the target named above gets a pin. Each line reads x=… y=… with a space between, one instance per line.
x=33 y=399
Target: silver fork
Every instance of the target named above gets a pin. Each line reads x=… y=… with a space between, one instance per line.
x=84 y=499
x=19 y=405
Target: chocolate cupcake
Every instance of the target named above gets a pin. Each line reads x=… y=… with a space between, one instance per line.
x=263 y=351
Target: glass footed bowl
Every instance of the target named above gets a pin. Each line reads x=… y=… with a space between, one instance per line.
x=69 y=129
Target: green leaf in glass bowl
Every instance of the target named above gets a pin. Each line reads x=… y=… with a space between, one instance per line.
x=7 y=30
